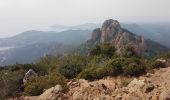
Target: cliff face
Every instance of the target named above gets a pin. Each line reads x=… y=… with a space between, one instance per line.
x=111 y=32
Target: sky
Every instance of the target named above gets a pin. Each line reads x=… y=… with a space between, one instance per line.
x=17 y=16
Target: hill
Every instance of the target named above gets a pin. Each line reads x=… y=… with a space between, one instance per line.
x=33 y=37
x=29 y=46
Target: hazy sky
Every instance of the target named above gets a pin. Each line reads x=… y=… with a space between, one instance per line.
x=21 y=15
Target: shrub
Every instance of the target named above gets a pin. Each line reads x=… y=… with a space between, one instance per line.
x=47 y=63
x=119 y=66
x=99 y=60
x=72 y=65
x=95 y=50
x=106 y=49
x=15 y=68
x=92 y=73
x=134 y=66
x=10 y=81
x=133 y=69
x=37 y=85
x=126 y=66
x=158 y=64
x=114 y=66
x=129 y=51
x=37 y=68
x=88 y=74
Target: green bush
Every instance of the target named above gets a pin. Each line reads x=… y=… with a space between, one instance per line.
x=72 y=65
x=134 y=66
x=129 y=51
x=114 y=67
x=92 y=73
x=99 y=60
x=37 y=85
x=95 y=50
x=158 y=64
x=37 y=68
x=88 y=74
x=47 y=64
x=127 y=66
x=133 y=69
x=10 y=81
x=106 y=49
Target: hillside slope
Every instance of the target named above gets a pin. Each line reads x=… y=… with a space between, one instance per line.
x=152 y=86
x=29 y=46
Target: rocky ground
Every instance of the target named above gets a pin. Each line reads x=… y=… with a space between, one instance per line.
x=152 y=86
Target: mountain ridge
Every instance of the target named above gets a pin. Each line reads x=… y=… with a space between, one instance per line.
x=31 y=45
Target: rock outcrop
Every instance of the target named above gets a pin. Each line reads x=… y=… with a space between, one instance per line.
x=53 y=93
x=112 y=32
x=31 y=73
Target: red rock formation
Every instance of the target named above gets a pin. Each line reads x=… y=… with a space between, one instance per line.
x=112 y=32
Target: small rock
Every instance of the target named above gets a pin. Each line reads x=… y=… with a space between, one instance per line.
x=148 y=75
x=148 y=88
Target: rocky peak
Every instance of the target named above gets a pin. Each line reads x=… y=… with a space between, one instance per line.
x=109 y=29
x=111 y=32
x=112 y=24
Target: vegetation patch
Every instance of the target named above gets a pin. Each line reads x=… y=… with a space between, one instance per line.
x=102 y=61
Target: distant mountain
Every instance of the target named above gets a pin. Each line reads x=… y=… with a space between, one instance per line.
x=28 y=46
x=159 y=32
x=86 y=26
x=112 y=32
x=31 y=53
x=33 y=37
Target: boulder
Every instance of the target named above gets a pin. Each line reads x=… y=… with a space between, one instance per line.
x=161 y=60
x=54 y=93
x=136 y=84
x=30 y=73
